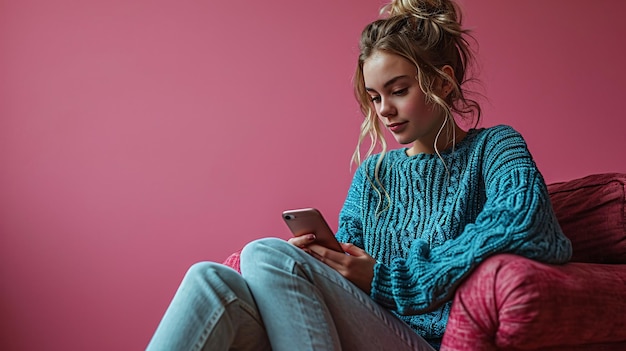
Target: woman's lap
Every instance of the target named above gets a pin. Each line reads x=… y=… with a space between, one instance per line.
x=307 y=305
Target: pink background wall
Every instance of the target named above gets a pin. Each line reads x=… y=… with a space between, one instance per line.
x=138 y=137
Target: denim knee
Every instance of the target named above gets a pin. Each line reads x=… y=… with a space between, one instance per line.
x=206 y=272
x=270 y=241
x=203 y=269
x=259 y=247
x=267 y=252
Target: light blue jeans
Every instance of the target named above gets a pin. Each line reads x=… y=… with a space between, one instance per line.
x=284 y=300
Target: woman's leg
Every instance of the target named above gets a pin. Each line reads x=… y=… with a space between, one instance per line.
x=306 y=305
x=212 y=310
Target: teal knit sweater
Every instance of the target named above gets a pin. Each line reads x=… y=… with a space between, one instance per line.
x=439 y=224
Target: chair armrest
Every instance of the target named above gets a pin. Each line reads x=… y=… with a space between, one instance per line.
x=511 y=302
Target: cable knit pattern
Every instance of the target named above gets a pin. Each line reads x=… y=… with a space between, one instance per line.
x=440 y=224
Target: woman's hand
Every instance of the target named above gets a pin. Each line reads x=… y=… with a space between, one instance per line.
x=357 y=266
x=302 y=241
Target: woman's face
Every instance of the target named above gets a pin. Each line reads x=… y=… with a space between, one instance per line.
x=400 y=104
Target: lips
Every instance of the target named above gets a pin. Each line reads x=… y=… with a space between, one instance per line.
x=397 y=127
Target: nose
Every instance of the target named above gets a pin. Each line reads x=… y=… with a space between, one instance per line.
x=385 y=108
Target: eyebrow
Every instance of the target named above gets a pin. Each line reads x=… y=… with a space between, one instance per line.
x=389 y=82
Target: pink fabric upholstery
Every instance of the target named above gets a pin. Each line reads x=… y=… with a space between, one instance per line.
x=592 y=213
x=232 y=261
x=514 y=303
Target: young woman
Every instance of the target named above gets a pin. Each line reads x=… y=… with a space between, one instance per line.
x=416 y=220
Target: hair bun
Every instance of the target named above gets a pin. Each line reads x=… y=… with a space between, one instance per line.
x=443 y=15
x=442 y=11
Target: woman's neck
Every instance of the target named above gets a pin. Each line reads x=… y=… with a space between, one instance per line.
x=446 y=140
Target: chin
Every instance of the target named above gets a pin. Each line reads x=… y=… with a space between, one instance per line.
x=403 y=141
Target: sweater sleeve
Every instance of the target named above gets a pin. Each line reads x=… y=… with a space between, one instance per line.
x=350 y=228
x=517 y=218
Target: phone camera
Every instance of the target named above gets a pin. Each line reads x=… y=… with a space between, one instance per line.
x=288 y=217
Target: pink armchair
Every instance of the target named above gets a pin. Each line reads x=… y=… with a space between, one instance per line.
x=513 y=303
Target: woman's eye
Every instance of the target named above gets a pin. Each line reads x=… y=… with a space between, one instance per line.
x=400 y=92
x=375 y=99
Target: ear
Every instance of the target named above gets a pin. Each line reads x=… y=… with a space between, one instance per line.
x=446 y=86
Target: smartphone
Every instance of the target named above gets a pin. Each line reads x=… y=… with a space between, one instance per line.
x=310 y=220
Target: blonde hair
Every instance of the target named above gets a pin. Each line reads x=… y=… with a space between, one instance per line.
x=429 y=34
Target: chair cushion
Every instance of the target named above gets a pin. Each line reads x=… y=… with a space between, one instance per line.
x=592 y=214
